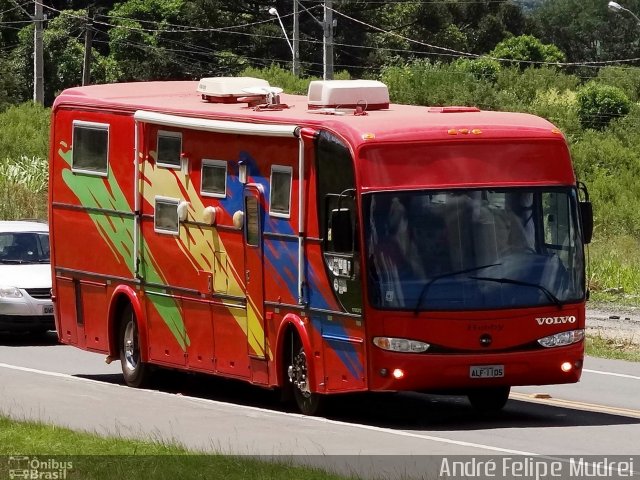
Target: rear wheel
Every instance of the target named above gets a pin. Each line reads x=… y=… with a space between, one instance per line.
x=308 y=403
x=489 y=400
x=136 y=373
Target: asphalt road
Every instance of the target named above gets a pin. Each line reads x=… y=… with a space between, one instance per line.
x=69 y=387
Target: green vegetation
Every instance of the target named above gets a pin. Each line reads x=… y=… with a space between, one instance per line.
x=24 y=169
x=599 y=104
x=116 y=458
x=617 y=349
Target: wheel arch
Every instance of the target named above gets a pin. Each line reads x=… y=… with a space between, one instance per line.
x=122 y=296
x=293 y=324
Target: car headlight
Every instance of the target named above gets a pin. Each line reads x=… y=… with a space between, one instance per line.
x=400 y=345
x=562 y=339
x=10 y=292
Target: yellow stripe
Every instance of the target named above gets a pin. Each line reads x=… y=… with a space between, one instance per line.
x=590 y=407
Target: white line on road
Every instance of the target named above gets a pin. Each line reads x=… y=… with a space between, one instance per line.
x=623 y=375
x=285 y=414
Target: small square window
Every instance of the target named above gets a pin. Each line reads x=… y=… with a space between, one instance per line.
x=166 y=215
x=214 y=178
x=90 y=148
x=280 y=198
x=169 y=149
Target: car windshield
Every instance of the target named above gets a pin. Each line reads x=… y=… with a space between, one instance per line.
x=473 y=249
x=24 y=247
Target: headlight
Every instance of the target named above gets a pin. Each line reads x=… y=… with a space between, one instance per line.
x=400 y=345
x=562 y=339
x=10 y=292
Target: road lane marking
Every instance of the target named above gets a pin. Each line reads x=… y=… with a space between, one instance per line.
x=622 y=375
x=575 y=405
x=401 y=433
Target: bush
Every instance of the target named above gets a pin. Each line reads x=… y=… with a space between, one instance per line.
x=481 y=68
x=625 y=78
x=526 y=50
x=24 y=131
x=599 y=104
x=425 y=83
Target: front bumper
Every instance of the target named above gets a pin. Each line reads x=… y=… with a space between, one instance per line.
x=433 y=372
x=26 y=323
x=26 y=313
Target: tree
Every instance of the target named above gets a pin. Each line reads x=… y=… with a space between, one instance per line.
x=585 y=30
x=526 y=50
x=599 y=104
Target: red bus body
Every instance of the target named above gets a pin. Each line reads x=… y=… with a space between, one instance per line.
x=222 y=286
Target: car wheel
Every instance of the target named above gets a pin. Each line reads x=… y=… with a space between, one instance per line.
x=136 y=373
x=308 y=403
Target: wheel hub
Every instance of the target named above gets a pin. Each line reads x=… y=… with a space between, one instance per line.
x=298 y=373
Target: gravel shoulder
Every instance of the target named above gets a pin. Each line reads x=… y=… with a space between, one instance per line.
x=617 y=322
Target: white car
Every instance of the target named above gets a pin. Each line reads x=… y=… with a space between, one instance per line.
x=25 y=277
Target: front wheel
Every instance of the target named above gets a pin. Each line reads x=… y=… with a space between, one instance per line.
x=136 y=373
x=308 y=403
x=489 y=400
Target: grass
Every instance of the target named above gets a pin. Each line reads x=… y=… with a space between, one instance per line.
x=614 y=270
x=23 y=188
x=612 y=348
x=116 y=458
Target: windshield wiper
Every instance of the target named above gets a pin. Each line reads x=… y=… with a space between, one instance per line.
x=425 y=289
x=511 y=281
x=10 y=260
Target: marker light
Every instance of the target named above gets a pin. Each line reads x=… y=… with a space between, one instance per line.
x=562 y=339
x=400 y=345
x=368 y=136
x=398 y=374
x=566 y=367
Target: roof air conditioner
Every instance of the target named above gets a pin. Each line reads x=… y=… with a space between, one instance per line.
x=368 y=94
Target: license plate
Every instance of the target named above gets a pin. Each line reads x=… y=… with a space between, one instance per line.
x=487 y=371
x=47 y=310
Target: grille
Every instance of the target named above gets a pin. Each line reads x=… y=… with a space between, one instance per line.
x=41 y=293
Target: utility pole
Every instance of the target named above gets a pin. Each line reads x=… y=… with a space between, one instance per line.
x=38 y=56
x=328 y=40
x=88 y=39
x=296 y=39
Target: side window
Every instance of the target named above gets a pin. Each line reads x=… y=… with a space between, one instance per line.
x=280 y=198
x=558 y=229
x=166 y=215
x=252 y=221
x=214 y=178
x=90 y=148
x=169 y=149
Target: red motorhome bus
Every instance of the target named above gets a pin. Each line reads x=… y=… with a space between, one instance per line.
x=324 y=244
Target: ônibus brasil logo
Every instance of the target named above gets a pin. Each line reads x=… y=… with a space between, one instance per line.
x=555 y=320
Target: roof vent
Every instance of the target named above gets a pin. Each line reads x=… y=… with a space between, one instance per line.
x=228 y=89
x=453 y=109
x=264 y=98
x=367 y=94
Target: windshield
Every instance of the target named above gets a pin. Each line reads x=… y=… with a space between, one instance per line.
x=473 y=249
x=24 y=247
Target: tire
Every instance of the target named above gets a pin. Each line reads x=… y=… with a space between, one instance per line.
x=489 y=400
x=308 y=403
x=136 y=373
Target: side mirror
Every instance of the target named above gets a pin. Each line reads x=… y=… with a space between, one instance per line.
x=341 y=230
x=586 y=218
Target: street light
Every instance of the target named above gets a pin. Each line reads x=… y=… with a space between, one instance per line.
x=274 y=11
x=616 y=7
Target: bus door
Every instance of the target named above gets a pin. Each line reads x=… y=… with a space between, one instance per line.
x=254 y=279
